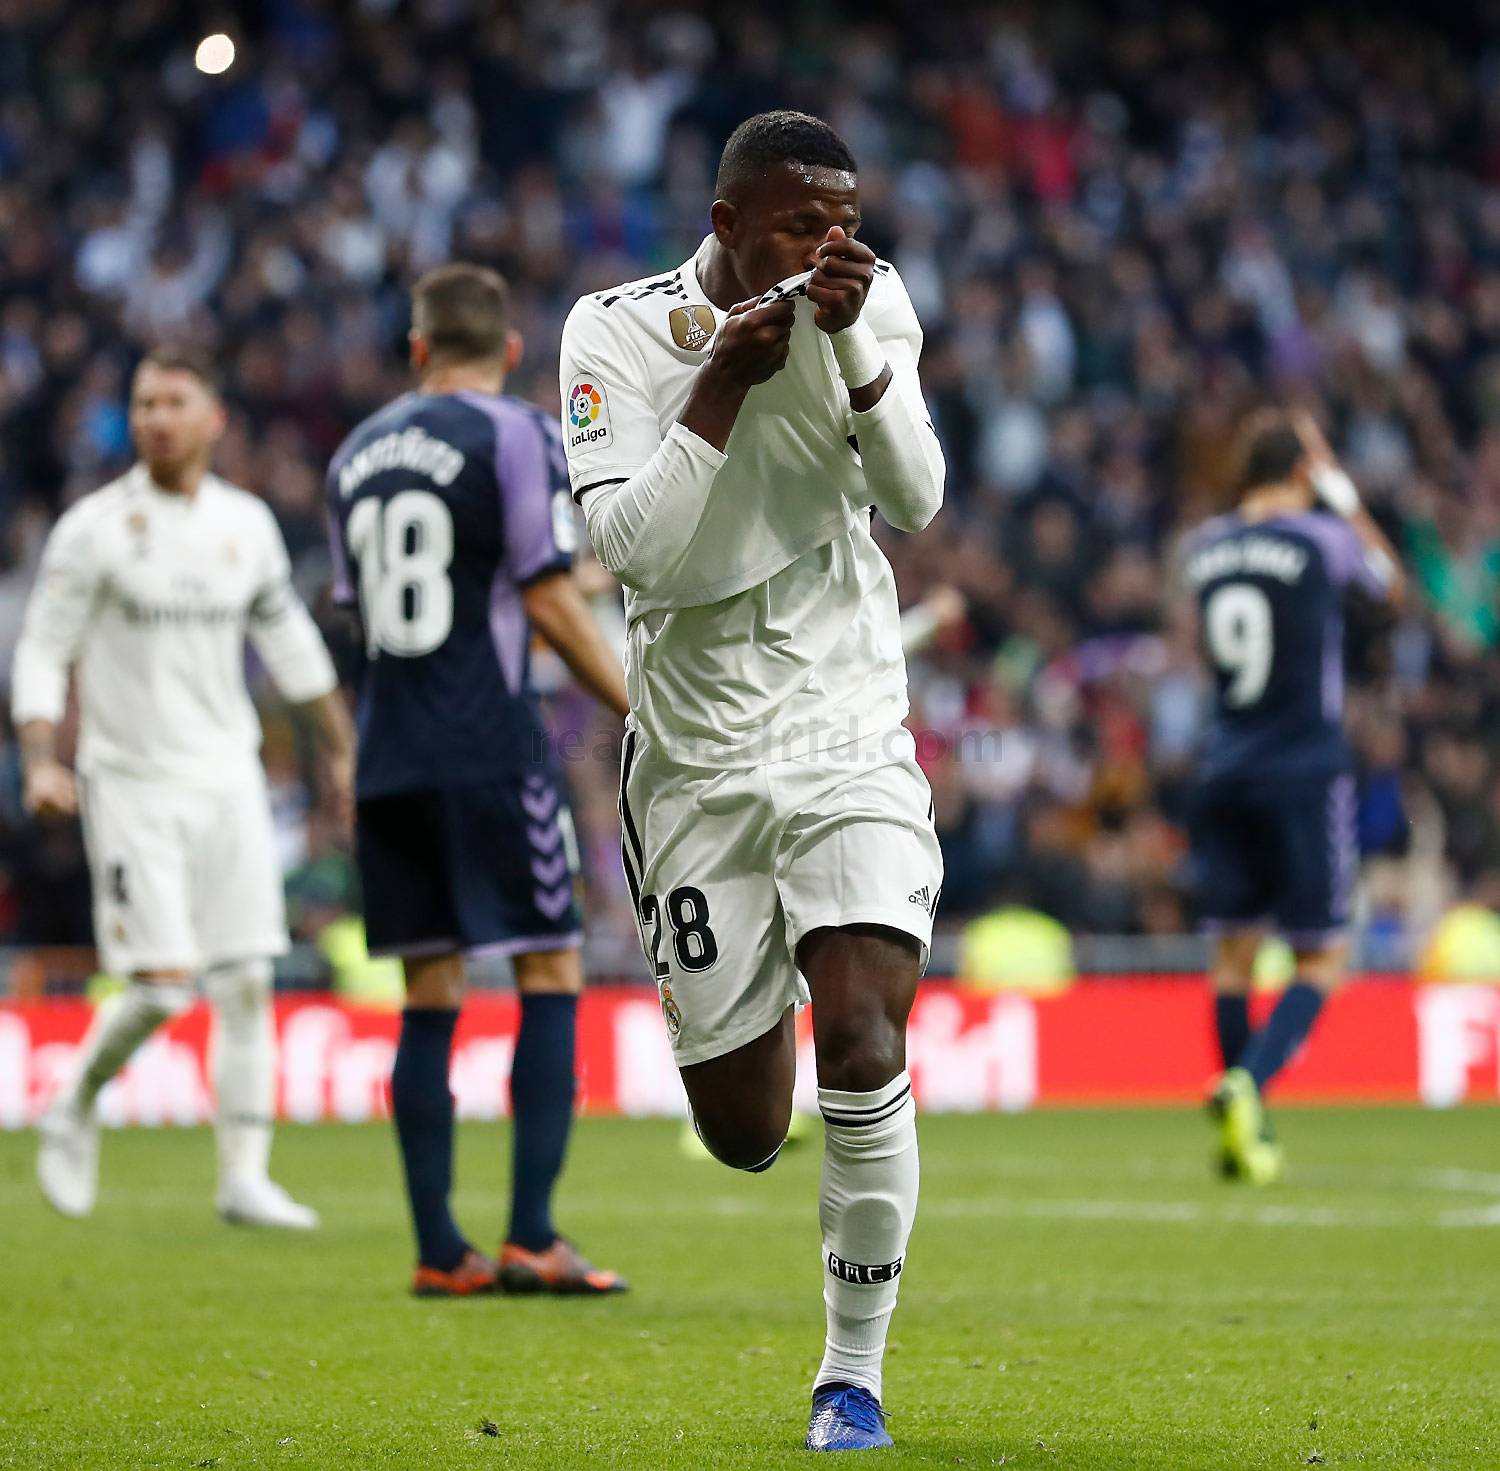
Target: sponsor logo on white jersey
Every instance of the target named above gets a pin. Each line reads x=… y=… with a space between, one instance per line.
x=587 y=409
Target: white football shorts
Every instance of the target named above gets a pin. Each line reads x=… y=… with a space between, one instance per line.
x=730 y=869
x=184 y=877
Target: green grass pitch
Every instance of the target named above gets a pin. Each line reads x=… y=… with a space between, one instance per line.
x=1081 y=1293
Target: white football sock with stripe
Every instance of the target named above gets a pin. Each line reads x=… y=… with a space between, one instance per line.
x=121 y=1023
x=868 y=1203
x=243 y=1064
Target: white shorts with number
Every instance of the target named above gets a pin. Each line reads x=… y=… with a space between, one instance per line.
x=730 y=869
x=184 y=877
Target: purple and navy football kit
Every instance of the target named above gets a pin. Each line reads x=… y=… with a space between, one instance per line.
x=1274 y=811
x=442 y=508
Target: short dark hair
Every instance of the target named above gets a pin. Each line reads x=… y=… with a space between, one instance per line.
x=1268 y=451
x=463 y=311
x=183 y=357
x=770 y=138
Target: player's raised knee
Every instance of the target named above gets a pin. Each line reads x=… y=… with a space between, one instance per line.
x=857 y=1064
x=859 y=1048
x=745 y=1145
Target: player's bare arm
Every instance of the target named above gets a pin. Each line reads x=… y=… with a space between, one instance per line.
x=1336 y=490
x=49 y=790
x=943 y=608
x=556 y=608
x=59 y=616
x=335 y=731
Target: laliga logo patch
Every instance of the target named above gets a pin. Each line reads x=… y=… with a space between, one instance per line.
x=692 y=327
x=588 y=413
x=584 y=404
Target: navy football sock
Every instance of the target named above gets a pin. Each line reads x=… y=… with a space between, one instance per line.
x=541 y=1105
x=1271 y=1048
x=423 y=1109
x=1232 y=1023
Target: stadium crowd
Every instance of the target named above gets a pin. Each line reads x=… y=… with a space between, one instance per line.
x=1121 y=228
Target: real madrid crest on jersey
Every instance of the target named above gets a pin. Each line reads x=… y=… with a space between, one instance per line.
x=671 y=1011
x=139 y=527
x=692 y=326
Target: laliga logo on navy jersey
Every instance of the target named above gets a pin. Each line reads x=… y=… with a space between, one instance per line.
x=588 y=413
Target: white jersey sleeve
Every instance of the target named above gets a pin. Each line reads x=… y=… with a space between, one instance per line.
x=58 y=614
x=903 y=461
x=280 y=628
x=643 y=493
x=610 y=425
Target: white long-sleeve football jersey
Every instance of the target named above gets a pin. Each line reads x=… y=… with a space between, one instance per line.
x=763 y=620
x=148 y=598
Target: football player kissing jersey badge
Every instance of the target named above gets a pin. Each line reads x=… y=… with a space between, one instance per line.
x=692 y=327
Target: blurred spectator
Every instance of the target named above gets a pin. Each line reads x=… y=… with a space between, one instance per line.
x=1119 y=225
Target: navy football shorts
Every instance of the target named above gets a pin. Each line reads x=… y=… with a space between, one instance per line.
x=1276 y=852
x=484 y=869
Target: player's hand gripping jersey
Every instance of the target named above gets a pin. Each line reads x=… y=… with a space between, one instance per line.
x=763 y=618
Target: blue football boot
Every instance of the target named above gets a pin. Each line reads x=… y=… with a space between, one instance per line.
x=846 y=1418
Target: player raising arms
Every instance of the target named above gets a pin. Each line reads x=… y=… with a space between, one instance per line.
x=452 y=524
x=148 y=588
x=1273 y=825
x=777 y=830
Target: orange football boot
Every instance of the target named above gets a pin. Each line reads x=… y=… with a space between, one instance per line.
x=562 y=1269
x=475 y=1274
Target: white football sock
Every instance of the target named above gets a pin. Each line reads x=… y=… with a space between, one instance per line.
x=243 y=1063
x=121 y=1023
x=868 y=1203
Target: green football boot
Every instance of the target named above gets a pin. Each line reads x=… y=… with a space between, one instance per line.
x=1248 y=1149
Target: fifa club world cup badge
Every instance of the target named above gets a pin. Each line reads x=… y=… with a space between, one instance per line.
x=692 y=327
x=138 y=526
x=671 y=1011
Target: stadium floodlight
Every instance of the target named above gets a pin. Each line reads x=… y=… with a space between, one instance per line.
x=215 y=54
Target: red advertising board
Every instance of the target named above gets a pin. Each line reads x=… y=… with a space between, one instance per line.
x=1103 y=1042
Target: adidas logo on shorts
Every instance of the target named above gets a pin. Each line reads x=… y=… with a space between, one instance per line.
x=922 y=896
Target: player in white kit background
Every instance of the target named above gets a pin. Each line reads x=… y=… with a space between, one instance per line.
x=777 y=831
x=147 y=591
